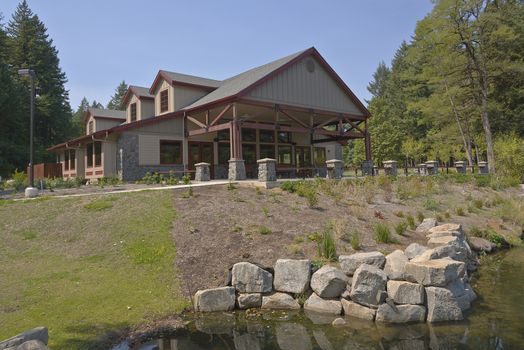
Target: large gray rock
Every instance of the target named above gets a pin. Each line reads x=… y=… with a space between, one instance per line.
x=322 y=340
x=395 y=265
x=442 y=306
x=426 y=225
x=249 y=278
x=216 y=299
x=350 y=263
x=317 y=304
x=292 y=336
x=414 y=249
x=249 y=300
x=245 y=341
x=462 y=293
x=39 y=333
x=400 y=313
x=329 y=282
x=462 y=250
x=369 y=283
x=445 y=251
x=446 y=230
x=438 y=272
x=32 y=345
x=292 y=276
x=481 y=245
x=402 y=292
x=281 y=301
x=356 y=310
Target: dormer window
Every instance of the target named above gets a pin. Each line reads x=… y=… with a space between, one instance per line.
x=90 y=127
x=164 y=101
x=133 y=111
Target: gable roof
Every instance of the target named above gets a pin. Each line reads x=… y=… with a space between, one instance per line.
x=104 y=113
x=184 y=79
x=239 y=85
x=138 y=91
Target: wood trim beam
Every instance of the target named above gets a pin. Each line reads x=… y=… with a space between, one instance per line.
x=221 y=114
x=210 y=129
x=319 y=126
x=195 y=121
x=304 y=125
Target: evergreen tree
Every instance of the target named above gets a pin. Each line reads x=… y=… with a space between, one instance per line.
x=29 y=46
x=96 y=104
x=78 y=118
x=116 y=99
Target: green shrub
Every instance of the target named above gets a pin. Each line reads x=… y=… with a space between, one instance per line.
x=447 y=215
x=478 y=203
x=264 y=230
x=186 y=179
x=290 y=186
x=108 y=181
x=265 y=210
x=381 y=233
x=420 y=216
x=411 y=221
x=188 y=193
x=314 y=237
x=355 y=240
x=327 y=247
x=431 y=204
x=19 y=180
x=102 y=203
x=510 y=157
x=491 y=235
x=258 y=191
x=399 y=214
x=231 y=186
x=401 y=228
x=439 y=218
x=460 y=211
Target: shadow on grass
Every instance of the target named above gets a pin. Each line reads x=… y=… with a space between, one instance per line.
x=100 y=336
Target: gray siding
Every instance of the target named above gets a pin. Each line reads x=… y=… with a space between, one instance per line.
x=297 y=86
x=185 y=95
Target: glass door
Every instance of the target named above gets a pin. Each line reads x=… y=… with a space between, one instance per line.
x=201 y=152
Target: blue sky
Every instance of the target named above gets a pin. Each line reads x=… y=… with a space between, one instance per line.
x=102 y=42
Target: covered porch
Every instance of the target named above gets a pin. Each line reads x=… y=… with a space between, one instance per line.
x=232 y=136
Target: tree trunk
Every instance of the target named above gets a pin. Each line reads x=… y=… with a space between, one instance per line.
x=487 y=129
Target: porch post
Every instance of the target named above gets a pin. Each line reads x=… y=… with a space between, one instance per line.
x=367 y=143
x=237 y=170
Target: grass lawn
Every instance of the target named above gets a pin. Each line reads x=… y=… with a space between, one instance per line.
x=86 y=266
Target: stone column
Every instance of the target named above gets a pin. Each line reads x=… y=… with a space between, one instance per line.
x=483 y=168
x=390 y=167
x=202 y=172
x=237 y=170
x=267 y=170
x=367 y=168
x=460 y=166
x=432 y=167
x=335 y=169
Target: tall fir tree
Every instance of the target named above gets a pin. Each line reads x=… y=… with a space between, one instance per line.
x=78 y=118
x=29 y=46
x=116 y=100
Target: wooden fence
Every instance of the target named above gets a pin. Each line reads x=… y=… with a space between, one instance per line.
x=47 y=170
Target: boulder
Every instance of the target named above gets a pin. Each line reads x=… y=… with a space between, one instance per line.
x=442 y=306
x=244 y=341
x=446 y=230
x=426 y=225
x=445 y=251
x=39 y=333
x=216 y=299
x=293 y=336
x=359 y=311
x=462 y=293
x=249 y=300
x=369 y=283
x=317 y=304
x=349 y=263
x=405 y=292
x=280 y=301
x=249 y=278
x=292 y=276
x=395 y=265
x=400 y=313
x=438 y=272
x=322 y=340
x=32 y=345
x=329 y=282
x=414 y=250
x=479 y=244
x=462 y=250
x=442 y=240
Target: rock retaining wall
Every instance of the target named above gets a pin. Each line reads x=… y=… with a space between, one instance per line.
x=422 y=283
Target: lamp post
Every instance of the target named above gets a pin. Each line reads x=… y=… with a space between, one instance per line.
x=31 y=191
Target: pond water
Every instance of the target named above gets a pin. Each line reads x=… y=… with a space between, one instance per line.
x=496 y=321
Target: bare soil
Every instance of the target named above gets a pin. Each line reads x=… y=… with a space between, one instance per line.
x=217 y=226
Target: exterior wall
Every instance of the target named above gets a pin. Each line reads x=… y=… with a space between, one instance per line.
x=147 y=109
x=79 y=170
x=91 y=119
x=186 y=95
x=103 y=124
x=80 y=162
x=297 y=86
x=109 y=158
x=171 y=97
x=132 y=100
x=333 y=150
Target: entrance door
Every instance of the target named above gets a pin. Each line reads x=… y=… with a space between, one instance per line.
x=201 y=152
x=303 y=161
x=249 y=154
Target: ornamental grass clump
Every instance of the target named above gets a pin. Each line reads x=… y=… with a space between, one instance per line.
x=381 y=233
x=326 y=247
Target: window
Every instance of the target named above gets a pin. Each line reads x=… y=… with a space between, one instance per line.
x=284 y=137
x=66 y=160
x=170 y=152
x=267 y=136
x=90 y=127
x=303 y=156
x=267 y=151
x=223 y=153
x=319 y=154
x=89 y=155
x=249 y=153
x=249 y=135
x=164 y=102
x=223 y=135
x=72 y=159
x=98 y=153
x=132 y=112
x=284 y=155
